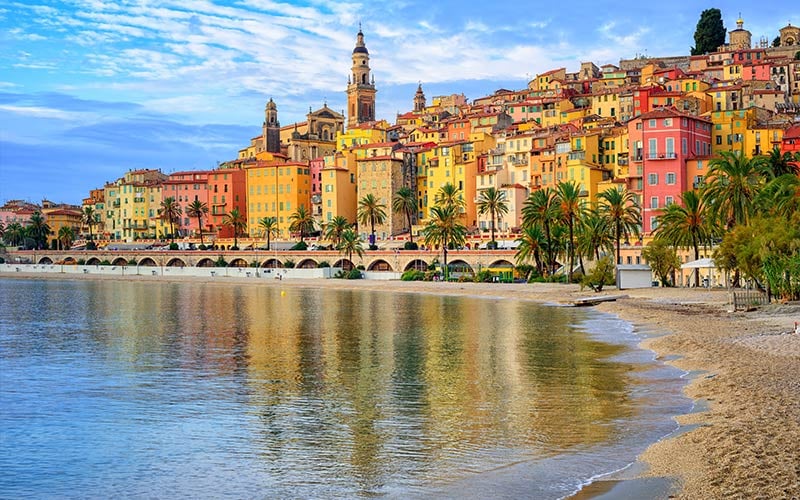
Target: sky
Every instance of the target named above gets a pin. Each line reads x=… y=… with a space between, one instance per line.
x=92 y=88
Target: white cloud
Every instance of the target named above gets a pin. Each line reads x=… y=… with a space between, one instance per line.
x=40 y=112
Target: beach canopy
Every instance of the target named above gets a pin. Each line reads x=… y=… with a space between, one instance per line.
x=706 y=263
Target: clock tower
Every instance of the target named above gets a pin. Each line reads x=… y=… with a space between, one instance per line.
x=360 y=86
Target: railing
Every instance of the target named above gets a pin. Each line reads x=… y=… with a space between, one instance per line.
x=744 y=300
x=661 y=156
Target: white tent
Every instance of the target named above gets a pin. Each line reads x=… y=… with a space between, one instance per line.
x=712 y=275
x=706 y=263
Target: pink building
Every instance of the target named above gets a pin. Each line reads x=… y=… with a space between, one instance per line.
x=661 y=142
x=186 y=187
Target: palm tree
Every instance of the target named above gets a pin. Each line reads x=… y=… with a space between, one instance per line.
x=371 y=211
x=494 y=203
x=622 y=213
x=14 y=234
x=89 y=217
x=594 y=235
x=197 y=209
x=66 y=235
x=39 y=230
x=686 y=226
x=781 y=196
x=571 y=206
x=170 y=211
x=404 y=201
x=302 y=221
x=269 y=225
x=335 y=228
x=541 y=208
x=444 y=228
x=732 y=184
x=778 y=164
x=235 y=220
x=449 y=194
x=531 y=243
x=350 y=243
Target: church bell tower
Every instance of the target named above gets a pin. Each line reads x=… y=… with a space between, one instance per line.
x=360 y=86
x=272 y=128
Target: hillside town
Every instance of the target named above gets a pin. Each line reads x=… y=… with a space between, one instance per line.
x=649 y=127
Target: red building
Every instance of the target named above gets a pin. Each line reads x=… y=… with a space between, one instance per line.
x=661 y=142
x=227 y=189
x=186 y=187
x=791 y=140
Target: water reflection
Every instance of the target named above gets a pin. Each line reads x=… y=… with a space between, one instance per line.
x=311 y=392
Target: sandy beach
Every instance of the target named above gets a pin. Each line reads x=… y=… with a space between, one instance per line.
x=744 y=367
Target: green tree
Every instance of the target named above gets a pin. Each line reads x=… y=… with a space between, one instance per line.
x=405 y=202
x=236 y=221
x=89 y=217
x=269 y=226
x=14 y=234
x=335 y=228
x=601 y=275
x=170 y=211
x=572 y=208
x=732 y=184
x=532 y=242
x=66 y=235
x=302 y=221
x=493 y=202
x=710 y=32
x=662 y=259
x=198 y=209
x=687 y=225
x=450 y=194
x=541 y=208
x=777 y=164
x=594 y=236
x=350 y=243
x=38 y=230
x=780 y=197
x=371 y=211
x=445 y=228
x=622 y=213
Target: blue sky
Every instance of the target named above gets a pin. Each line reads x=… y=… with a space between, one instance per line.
x=92 y=88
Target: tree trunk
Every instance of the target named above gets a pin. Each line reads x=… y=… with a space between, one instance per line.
x=200 y=228
x=571 y=253
x=410 y=226
x=619 y=258
x=492 y=230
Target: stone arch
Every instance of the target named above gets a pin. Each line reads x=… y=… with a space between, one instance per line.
x=272 y=263
x=205 y=262
x=70 y=261
x=119 y=261
x=460 y=266
x=94 y=261
x=238 y=262
x=176 y=262
x=147 y=262
x=501 y=263
x=380 y=265
x=344 y=264
x=307 y=264
x=46 y=261
x=417 y=264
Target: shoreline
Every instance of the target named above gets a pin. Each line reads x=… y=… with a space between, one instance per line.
x=742 y=439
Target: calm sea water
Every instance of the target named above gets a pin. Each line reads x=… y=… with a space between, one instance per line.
x=184 y=390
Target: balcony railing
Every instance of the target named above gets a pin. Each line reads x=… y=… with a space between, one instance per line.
x=577 y=155
x=661 y=156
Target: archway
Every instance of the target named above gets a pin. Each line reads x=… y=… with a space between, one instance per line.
x=147 y=262
x=344 y=264
x=205 y=262
x=94 y=261
x=460 y=266
x=307 y=264
x=176 y=262
x=70 y=261
x=417 y=265
x=120 y=261
x=46 y=261
x=238 y=263
x=380 y=265
x=501 y=263
x=272 y=264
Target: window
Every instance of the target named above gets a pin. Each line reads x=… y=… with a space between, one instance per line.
x=651 y=124
x=653 y=223
x=668 y=200
x=670 y=178
x=654 y=202
x=667 y=122
x=652 y=179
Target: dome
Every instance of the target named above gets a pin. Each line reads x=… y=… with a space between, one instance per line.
x=360 y=50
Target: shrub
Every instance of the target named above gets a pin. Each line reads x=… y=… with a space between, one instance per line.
x=410 y=245
x=2 y=260
x=373 y=247
x=412 y=275
x=81 y=262
x=360 y=267
x=105 y=262
x=483 y=276
x=221 y=262
x=354 y=274
x=132 y=262
x=602 y=274
x=91 y=246
x=300 y=245
x=289 y=264
x=254 y=263
x=173 y=246
x=324 y=263
x=526 y=270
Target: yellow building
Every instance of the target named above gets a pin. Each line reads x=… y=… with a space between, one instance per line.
x=61 y=217
x=361 y=134
x=605 y=103
x=585 y=163
x=761 y=139
x=276 y=189
x=339 y=189
x=132 y=204
x=728 y=130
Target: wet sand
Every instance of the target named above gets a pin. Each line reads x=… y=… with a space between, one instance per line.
x=745 y=440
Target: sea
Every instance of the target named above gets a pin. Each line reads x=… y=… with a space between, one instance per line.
x=219 y=390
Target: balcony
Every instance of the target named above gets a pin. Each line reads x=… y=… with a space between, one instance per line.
x=661 y=156
x=622 y=162
x=577 y=155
